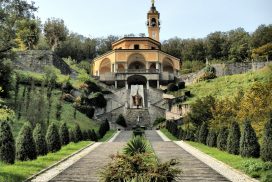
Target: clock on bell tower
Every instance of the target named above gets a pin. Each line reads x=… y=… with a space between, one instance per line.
x=153 y=23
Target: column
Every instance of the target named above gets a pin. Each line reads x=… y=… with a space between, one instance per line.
x=147 y=84
x=115 y=84
x=126 y=85
x=158 y=84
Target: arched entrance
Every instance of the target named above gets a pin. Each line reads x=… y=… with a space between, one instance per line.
x=136 y=80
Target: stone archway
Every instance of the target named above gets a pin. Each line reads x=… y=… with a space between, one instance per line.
x=136 y=62
x=105 y=66
x=167 y=65
x=137 y=80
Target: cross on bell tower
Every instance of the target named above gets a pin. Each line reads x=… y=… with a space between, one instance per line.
x=153 y=22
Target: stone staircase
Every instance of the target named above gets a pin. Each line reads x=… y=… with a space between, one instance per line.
x=132 y=116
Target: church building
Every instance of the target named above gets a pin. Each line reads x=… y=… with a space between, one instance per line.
x=138 y=59
x=135 y=69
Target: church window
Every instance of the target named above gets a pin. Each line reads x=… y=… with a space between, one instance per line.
x=136 y=46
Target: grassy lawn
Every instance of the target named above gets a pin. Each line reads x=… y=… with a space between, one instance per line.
x=22 y=170
x=107 y=136
x=253 y=167
x=168 y=134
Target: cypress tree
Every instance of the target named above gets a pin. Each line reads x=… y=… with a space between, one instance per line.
x=53 y=138
x=78 y=134
x=64 y=134
x=72 y=135
x=25 y=144
x=249 y=146
x=233 y=142
x=211 y=138
x=222 y=139
x=266 y=149
x=203 y=133
x=121 y=121
x=39 y=138
x=95 y=138
x=107 y=125
x=7 y=144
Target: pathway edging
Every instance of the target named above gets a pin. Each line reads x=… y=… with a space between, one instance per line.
x=53 y=170
x=114 y=136
x=222 y=168
x=163 y=136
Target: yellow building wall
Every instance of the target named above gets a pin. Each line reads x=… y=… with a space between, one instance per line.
x=119 y=56
x=130 y=45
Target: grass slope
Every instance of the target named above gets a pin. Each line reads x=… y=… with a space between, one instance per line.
x=22 y=170
x=226 y=86
x=66 y=116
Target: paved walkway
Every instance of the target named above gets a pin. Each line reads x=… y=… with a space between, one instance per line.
x=86 y=165
x=193 y=169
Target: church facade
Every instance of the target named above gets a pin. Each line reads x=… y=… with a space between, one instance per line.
x=138 y=60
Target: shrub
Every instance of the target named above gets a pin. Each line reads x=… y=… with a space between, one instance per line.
x=266 y=149
x=126 y=168
x=171 y=87
x=25 y=144
x=39 y=137
x=64 y=134
x=158 y=121
x=211 y=138
x=121 y=121
x=59 y=111
x=203 y=133
x=181 y=85
x=249 y=146
x=53 y=138
x=222 y=138
x=233 y=141
x=94 y=136
x=107 y=125
x=103 y=129
x=136 y=145
x=85 y=135
x=78 y=134
x=7 y=144
x=92 y=87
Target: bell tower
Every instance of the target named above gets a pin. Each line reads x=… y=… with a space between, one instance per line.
x=153 y=22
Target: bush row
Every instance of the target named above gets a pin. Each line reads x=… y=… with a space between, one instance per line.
x=230 y=139
x=30 y=144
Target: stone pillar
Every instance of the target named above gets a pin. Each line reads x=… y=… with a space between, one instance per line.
x=116 y=86
x=158 y=66
x=126 y=84
x=158 y=84
x=147 y=84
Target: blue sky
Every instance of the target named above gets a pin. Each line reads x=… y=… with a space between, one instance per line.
x=181 y=18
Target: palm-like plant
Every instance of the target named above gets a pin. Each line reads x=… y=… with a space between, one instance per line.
x=135 y=146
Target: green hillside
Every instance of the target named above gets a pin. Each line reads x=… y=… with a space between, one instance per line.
x=227 y=86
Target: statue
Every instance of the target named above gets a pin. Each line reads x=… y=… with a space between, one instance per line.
x=153 y=2
x=137 y=100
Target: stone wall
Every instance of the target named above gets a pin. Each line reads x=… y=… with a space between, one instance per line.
x=36 y=60
x=226 y=69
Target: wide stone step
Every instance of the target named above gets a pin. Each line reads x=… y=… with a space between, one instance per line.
x=193 y=169
x=88 y=167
